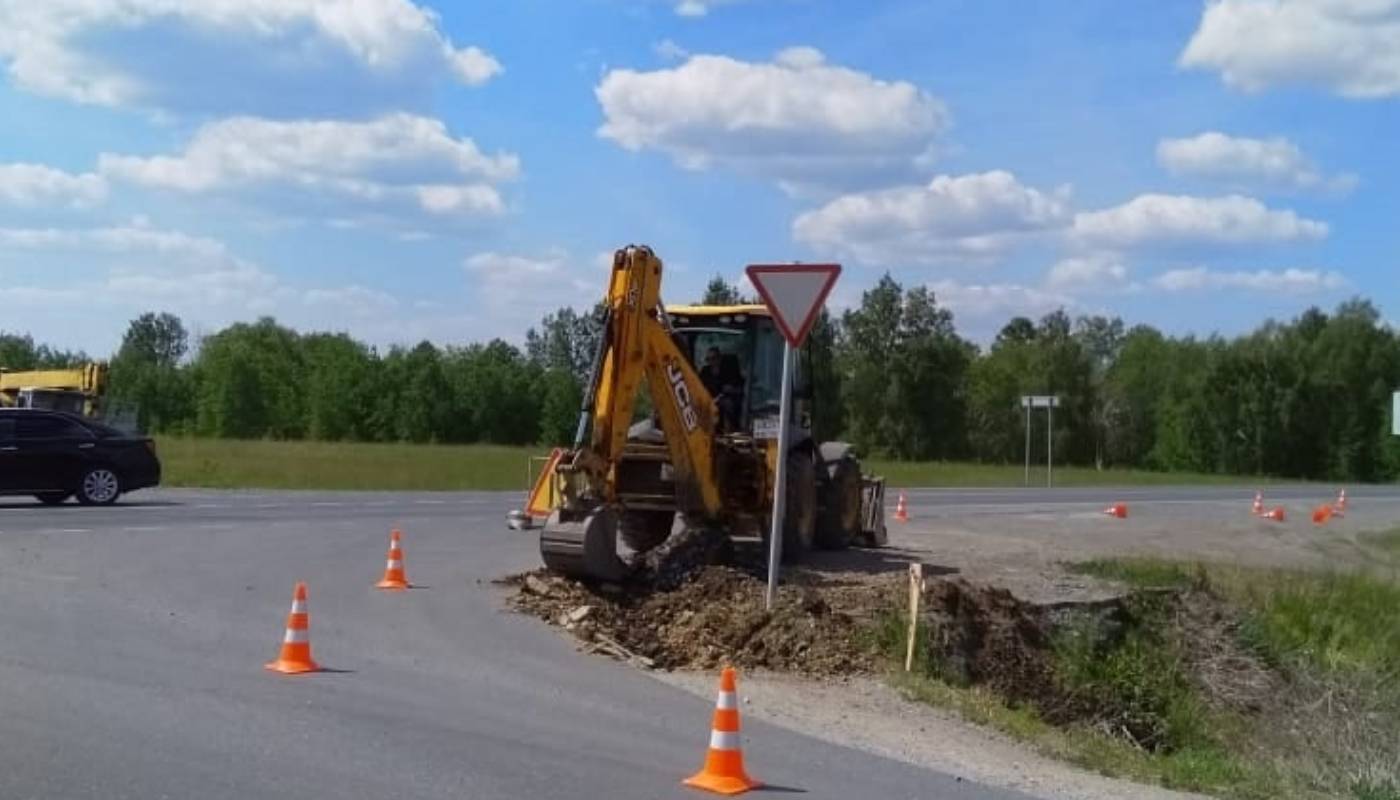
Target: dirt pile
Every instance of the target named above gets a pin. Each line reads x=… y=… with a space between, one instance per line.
x=716 y=617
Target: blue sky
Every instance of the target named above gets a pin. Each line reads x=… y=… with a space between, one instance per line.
x=401 y=170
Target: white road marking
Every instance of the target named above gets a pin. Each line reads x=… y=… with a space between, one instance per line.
x=145 y=528
x=74 y=530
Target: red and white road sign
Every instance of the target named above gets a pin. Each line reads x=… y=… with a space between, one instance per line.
x=794 y=293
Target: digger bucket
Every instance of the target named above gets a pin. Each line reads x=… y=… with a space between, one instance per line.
x=872 y=510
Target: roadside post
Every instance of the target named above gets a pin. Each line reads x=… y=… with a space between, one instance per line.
x=1395 y=414
x=916 y=593
x=794 y=294
x=1049 y=402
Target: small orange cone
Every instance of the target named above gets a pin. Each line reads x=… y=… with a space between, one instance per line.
x=724 y=762
x=1339 y=508
x=1322 y=515
x=1277 y=515
x=394 y=579
x=901 y=510
x=1258 y=508
x=296 y=643
x=1119 y=510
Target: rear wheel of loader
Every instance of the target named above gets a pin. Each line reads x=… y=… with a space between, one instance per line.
x=839 y=524
x=644 y=530
x=800 y=515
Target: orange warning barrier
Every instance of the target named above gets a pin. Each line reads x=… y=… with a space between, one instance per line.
x=1119 y=510
x=1277 y=515
x=394 y=579
x=1322 y=515
x=901 y=510
x=296 y=643
x=724 y=762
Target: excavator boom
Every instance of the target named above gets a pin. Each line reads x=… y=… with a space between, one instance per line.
x=580 y=536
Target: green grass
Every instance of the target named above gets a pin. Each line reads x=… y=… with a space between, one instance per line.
x=1336 y=636
x=228 y=464
x=1334 y=622
x=221 y=463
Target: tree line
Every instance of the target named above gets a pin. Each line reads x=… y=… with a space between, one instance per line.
x=1307 y=398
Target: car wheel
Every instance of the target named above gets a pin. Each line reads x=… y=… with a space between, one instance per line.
x=53 y=498
x=99 y=487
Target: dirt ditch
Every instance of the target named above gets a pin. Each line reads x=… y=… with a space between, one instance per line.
x=834 y=624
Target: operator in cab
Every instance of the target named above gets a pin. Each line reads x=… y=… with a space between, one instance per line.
x=724 y=380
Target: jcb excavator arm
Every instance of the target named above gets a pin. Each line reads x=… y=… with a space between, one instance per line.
x=580 y=537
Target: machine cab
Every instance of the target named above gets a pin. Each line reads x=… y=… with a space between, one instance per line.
x=738 y=352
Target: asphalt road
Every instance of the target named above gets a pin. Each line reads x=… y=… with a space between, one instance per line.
x=132 y=641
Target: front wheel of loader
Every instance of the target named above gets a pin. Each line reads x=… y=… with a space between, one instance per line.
x=800 y=515
x=642 y=531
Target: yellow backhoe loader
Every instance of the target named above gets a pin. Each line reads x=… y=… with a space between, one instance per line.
x=709 y=451
x=78 y=390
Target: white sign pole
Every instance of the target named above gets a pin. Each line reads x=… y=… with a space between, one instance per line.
x=775 y=531
x=1395 y=415
x=1050 y=446
x=1028 y=442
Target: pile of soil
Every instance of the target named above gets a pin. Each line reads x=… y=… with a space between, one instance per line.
x=715 y=617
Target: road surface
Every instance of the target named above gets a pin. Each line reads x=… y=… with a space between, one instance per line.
x=132 y=641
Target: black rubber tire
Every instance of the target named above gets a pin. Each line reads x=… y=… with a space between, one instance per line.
x=53 y=498
x=644 y=530
x=839 y=524
x=800 y=514
x=99 y=486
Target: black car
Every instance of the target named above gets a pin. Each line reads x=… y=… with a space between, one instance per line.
x=54 y=456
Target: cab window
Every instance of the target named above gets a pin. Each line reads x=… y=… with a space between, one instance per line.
x=43 y=426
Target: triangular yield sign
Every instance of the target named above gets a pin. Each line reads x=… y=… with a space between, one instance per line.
x=794 y=293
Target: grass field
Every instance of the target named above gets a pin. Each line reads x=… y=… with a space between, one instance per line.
x=227 y=464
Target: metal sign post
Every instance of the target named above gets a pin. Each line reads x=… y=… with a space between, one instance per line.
x=794 y=294
x=1049 y=403
x=1395 y=415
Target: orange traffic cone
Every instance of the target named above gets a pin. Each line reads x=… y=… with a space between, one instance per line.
x=724 y=763
x=1119 y=510
x=1258 y=508
x=901 y=511
x=394 y=579
x=1277 y=515
x=1322 y=514
x=296 y=644
x=1339 y=508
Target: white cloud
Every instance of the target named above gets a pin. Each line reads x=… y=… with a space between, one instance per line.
x=967 y=217
x=395 y=161
x=1274 y=162
x=982 y=309
x=513 y=290
x=1098 y=271
x=1181 y=220
x=87 y=281
x=796 y=119
x=275 y=57
x=1290 y=281
x=668 y=50
x=37 y=185
x=1351 y=47
x=699 y=8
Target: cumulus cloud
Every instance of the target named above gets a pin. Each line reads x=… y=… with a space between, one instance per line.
x=967 y=217
x=796 y=119
x=86 y=282
x=1275 y=162
x=271 y=57
x=511 y=287
x=1181 y=220
x=699 y=8
x=1098 y=271
x=388 y=164
x=37 y=185
x=1287 y=281
x=1351 y=47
